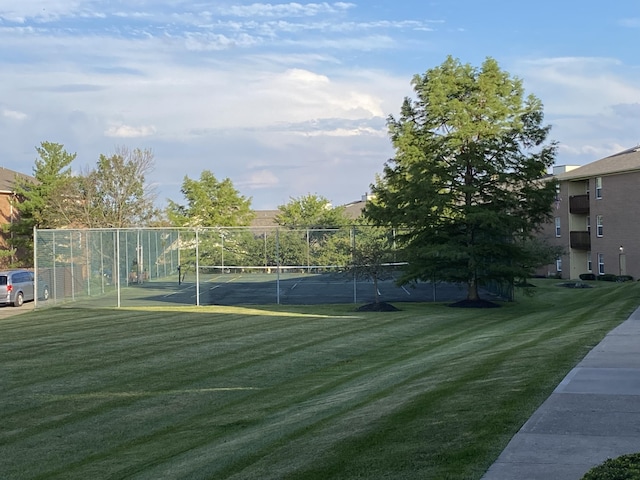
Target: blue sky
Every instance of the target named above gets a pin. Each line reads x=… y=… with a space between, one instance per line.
x=291 y=98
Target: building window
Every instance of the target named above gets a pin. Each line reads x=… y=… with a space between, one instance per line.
x=601 y=264
x=599 y=227
x=558 y=264
x=589 y=265
x=598 y=187
x=557 y=226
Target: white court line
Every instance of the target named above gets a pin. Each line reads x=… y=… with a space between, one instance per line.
x=180 y=290
x=218 y=286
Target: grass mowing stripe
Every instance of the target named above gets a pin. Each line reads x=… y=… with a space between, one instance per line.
x=493 y=361
x=352 y=453
x=318 y=404
x=105 y=381
x=429 y=389
x=125 y=343
x=463 y=445
x=117 y=399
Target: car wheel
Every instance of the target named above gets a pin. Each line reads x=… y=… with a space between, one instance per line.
x=45 y=293
x=19 y=300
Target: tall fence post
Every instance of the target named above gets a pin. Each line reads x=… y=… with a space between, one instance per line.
x=197 y=269
x=278 y=266
x=353 y=251
x=117 y=262
x=36 y=286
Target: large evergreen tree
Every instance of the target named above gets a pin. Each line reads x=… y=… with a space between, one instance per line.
x=466 y=183
x=40 y=202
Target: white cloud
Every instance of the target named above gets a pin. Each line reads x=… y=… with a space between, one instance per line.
x=630 y=22
x=260 y=179
x=13 y=114
x=579 y=86
x=592 y=151
x=41 y=11
x=285 y=9
x=127 y=131
x=592 y=103
x=212 y=42
x=345 y=132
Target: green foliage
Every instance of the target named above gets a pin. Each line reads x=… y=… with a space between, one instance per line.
x=210 y=203
x=336 y=247
x=311 y=211
x=625 y=467
x=373 y=255
x=41 y=203
x=466 y=180
x=114 y=194
x=607 y=277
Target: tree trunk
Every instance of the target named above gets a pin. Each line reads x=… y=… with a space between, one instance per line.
x=375 y=287
x=472 y=290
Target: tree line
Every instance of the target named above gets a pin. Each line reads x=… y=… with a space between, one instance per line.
x=467 y=190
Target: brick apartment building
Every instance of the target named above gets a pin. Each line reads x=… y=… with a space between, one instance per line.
x=597 y=217
x=8 y=212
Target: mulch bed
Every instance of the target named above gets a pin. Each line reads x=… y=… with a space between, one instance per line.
x=378 y=307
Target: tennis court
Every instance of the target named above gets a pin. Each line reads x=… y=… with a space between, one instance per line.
x=287 y=289
x=145 y=267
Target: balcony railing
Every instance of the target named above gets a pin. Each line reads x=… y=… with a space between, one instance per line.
x=579 y=204
x=580 y=240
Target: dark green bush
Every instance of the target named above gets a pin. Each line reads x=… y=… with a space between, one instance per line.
x=625 y=278
x=608 y=277
x=625 y=467
x=587 y=276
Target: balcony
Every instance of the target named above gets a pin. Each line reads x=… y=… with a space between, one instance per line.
x=579 y=204
x=580 y=240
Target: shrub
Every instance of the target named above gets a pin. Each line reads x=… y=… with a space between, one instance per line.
x=625 y=467
x=587 y=276
x=608 y=277
x=625 y=278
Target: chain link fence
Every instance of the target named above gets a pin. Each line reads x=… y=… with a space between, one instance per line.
x=226 y=266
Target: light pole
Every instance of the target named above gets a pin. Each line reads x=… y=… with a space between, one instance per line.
x=620 y=254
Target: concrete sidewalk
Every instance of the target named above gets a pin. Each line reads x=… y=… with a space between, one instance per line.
x=593 y=415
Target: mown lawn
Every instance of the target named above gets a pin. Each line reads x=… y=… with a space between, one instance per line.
x=315 y=392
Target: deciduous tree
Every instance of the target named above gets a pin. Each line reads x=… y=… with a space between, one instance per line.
x=466 y=182
x=210 y=203
x=311 y=211
x=115 y=193
x=373 y=255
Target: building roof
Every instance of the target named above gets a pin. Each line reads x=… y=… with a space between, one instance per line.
x=8 y=179
x=354 y=209
x=622 y=162
x=266 y=218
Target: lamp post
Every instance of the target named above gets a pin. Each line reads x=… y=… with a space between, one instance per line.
x=620 y=254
